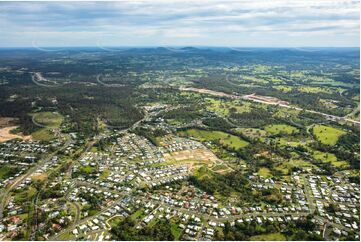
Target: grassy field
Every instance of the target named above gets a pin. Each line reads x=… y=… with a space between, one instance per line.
x=40 y=177
x=265 y=172
x=43 y=134
x=87 y=169
x=154 y=221
x=251 y=132
x=293 y=141
x=280 y=128
x=202 y=172
x=173 y=122
x=65 y=236
x=324 y=156
x=8 y=170
x=222 y=107
x=223 y=138
x=285 y=113
x=286 y=142
x=114 y=221
x=176 y=231
x=329 y=157
x=137 y=214
x=25 y=195
x=286 y=166
x=48 y=119
x=283 y=88
x=220 y=167
x=326 y=134
x=308 y=89
x=104 y=174
x=268 y=237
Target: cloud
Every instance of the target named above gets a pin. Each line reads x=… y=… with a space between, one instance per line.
x=180 y=22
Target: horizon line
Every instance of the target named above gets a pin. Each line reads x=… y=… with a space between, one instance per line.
x=172 y=46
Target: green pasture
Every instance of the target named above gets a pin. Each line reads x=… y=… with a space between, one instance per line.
x=223 y=138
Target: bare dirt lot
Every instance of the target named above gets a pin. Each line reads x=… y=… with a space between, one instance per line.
x=40 y=176
x=193 y=158
x=207 y=91
x=6 y=135
x=6 y=125
x=197 y=154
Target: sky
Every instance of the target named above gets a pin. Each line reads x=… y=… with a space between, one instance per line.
x=242 y=23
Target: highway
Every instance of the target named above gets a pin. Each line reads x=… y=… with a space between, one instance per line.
x=249 y=98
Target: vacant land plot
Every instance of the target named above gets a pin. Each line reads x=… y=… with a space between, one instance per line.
x=268 y=237
x=176 y=231
x=25 y=195
x=264 y=172
x=324 y=156
x=220 y=167
x=281 y=128
x=283 y=88
x=223 y=138
x=286 y=166
x=48 y=119
x=309 y=89
x=203 y=172
x=7 y=125
x=223 y=107
x=7 y=171
x=5 y=134
x=192 y=158
x=252 y=132
x=329 y=157
x=326 y=134
x=39 y=176
x=293 y=141
x=285 y=113
x=43 y=134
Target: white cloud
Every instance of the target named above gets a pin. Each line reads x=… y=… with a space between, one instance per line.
x=203 y=22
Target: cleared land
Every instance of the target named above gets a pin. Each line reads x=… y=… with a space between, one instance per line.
x=192 y=158
x=42 y=135
x=223 y=107
x=223 y=138
x=264 y=172
x=198 y=154
x=5 y=134
x=48 y=119
x=286 y=166
x=6 y=126
x=329 y=157
x=280 y=128
x=268 y=237
x=251 y=133
x=326 y=134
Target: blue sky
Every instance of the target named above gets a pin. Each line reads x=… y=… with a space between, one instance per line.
x=243 y=23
